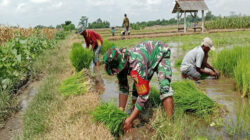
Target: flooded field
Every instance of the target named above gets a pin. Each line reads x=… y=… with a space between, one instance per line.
x=222 y=91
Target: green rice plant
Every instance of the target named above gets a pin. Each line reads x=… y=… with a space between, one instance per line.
x=226 y=60
x=242 y=75
x=106 y=45
x=187 y=98
x=74 y=85
x=111 y=116
x=80 y=57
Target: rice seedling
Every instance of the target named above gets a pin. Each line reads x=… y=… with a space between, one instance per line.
x=74 y=85
x=226 y=60
x=242 y=75
x=80 y=57
x=111 y=116
x=106 y=45
x=235 y=63
x=187 y=98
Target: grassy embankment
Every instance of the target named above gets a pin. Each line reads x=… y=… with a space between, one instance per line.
x=52 y=115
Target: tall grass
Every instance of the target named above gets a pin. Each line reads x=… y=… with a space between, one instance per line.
x=111 y=116
x=235 y=63
x=80 y=57
x=229 y=23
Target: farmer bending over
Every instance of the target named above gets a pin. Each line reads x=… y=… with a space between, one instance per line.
x=140 y=62
x=195 y=61
x=93 y=38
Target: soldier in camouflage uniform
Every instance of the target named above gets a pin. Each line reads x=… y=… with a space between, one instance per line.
x=140 y=62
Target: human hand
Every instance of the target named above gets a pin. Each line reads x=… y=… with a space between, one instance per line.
x=127 y=125
x=212 y=73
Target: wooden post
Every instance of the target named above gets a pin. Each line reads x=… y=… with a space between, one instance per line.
x=203 y=19
x=178 y=20
x=185 y=24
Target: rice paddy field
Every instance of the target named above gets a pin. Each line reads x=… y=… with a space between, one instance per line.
x=66 y=100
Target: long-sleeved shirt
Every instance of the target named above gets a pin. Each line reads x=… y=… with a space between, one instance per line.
x=125 y=22
x=92 y=38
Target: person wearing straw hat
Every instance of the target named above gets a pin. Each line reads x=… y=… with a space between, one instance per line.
x=141 y=62
x=195 y=61
x=94 y=39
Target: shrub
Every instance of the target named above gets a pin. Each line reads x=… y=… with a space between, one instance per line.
x=80 y=57
x=75 y=85
x=187 y=98
x=60 y=35
x=111 y=116
x=106 y=45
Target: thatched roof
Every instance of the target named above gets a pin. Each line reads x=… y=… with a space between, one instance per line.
x=189 y=5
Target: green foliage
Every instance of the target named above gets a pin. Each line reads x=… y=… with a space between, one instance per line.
x=60 y=35
x=187 y=98
x=135 y=26
x=17 y=55
x=74 y=85
x=69 y=27
x=106 y=45
x=229 y=22
x=111 y=116
x=99 y=24
x=80 y=57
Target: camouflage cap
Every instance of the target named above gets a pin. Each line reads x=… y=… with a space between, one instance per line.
x=115 y=59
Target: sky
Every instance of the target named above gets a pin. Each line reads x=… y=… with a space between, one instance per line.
x=29 y=13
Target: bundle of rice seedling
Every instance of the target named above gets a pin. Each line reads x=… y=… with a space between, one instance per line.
x=80 y=57
x=75 y=85
x=187 y=98
x=111 y=116
x=190 y=99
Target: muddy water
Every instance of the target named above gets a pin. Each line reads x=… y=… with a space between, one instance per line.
x=14 y=125
x=221 y=91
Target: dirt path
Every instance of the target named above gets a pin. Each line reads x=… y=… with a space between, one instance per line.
x=14 y=125
x=171 y=33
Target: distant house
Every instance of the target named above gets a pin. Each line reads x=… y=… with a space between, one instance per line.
x=192 y=7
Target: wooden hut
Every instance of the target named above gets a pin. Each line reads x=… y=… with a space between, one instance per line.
x=192 y=7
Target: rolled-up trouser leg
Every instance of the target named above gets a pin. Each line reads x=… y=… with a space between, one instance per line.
x=97 y=51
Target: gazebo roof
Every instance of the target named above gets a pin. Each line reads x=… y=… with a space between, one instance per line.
x=189 y=6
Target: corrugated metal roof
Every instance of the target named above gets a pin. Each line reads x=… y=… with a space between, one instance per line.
x=189 y=5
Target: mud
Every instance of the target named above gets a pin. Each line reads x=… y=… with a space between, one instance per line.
x=14 y=125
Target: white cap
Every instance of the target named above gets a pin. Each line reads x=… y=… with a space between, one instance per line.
x=208 y=43
x=80 y=29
